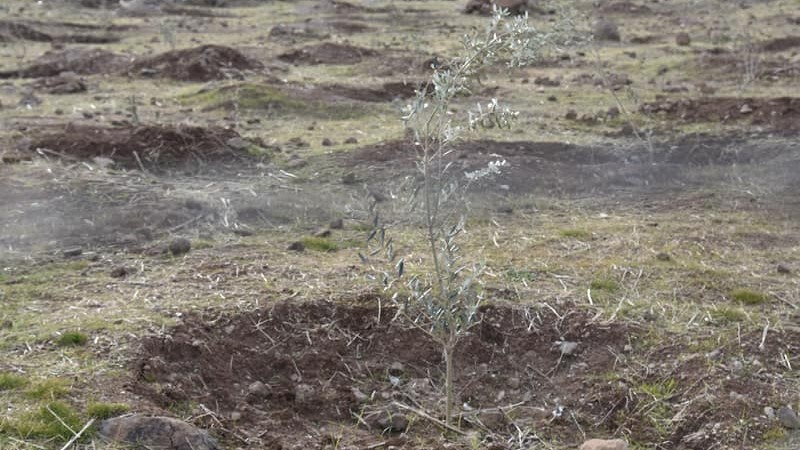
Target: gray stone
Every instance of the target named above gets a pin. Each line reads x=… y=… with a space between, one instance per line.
x=258 y=388
x=606 y=30
x=604 y=444
x=683 y=39
x=788 y=418
x=163 y=433
x=391 y=421
x=237 y=143
x=179 y=246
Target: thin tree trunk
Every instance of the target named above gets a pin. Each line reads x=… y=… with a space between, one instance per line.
x=448 y=383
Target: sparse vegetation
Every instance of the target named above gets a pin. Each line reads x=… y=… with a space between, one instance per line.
x=10 y=381
x=105 y=410
x=748 y=296
x=48 y=389
x=576 y=233
x=73 y=339
x=319 y=244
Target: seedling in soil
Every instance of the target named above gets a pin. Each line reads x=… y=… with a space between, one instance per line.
x=443 y=301
x=73 y=339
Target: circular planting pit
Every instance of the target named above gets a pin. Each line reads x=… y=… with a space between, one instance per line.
x=286 y=375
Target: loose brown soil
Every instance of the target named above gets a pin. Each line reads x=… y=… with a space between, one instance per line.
x=205 y=63
x=781 y=44
x=779 y=114
x=84 y=61
x=31 y=32
x=157 y=147
x=328 y=53
x=315 y=360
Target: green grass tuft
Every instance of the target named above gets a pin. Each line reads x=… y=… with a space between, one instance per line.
x=10 y=381
x=728 y=315
x=44 y=424
x=520 y=275
x=105 y=410
x=320 y=244
x=576 y=233
x=748 y=296
x=604 y=284
x=73 y=339
x=49 y=389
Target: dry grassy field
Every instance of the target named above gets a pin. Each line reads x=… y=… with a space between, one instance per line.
x=184 y=193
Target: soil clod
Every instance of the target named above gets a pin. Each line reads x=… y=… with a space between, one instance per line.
x=163 y=433
x=179 y=246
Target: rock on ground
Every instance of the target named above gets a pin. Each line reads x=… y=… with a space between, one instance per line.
x=164 y=433
x=604 y=444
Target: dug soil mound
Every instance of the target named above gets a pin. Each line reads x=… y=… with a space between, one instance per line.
x=155 y=147
x=559 y=169
x=328 y=53
x=205 y=63
x=83 y=61
x=780 y=114
x=282 y=371
x=291 y=366
x=17 y=30
x=781 y=44
x=385 y=93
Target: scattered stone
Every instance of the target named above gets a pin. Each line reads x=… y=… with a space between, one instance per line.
x=258 y=389
x=237 y=143
x=397 y=369
x=505 y=209
x=604 y=444
x=87 y=115
x=29 y=100
x=571 y=115
x=627 y=130
x=296 y=163
x=613 y=112
x=746 y=109
x=322 y=233
x=552 y=98
x=296 y=246
x=6 y=325
x=567 y=348
x=546 y=81
x=120 y=272
x=391 y=421
x=164 y=433
x=72 y=252
x=235 y=416
x=64 y=83
x=304 y=393
x=349 y=178
x=788 y=418
x=682 y=39
x=769 y=412
x=358 y=395
x=179 y=246
x=783 y=269
x=243 y=232
x=606 y=30
x=493 y=419
x=514 y=7
x=351 y=140
x=327 y=142
x=663 y=257
x=336 y=224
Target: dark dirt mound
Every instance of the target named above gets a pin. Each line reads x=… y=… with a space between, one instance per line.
x=18 y=30
x=294 y=365
x=205 y=63
x=781 y=44
x=724 y=64
x=290 y=367
x=83 y=61
x=780 y=114
x=625 y=7
x=157 y=147
x=328 y=53
x=515 y=7
x=608 y=172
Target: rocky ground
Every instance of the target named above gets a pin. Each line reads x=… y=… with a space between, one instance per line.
x=184 y=198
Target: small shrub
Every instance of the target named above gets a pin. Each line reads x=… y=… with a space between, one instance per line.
x=604 y=284
x=320 y=244
x=576 y=233
x=105 y=410
x=49 y=389
x=748 y=297
x=72 y=339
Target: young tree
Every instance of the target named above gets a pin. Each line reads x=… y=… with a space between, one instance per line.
x=443 y=301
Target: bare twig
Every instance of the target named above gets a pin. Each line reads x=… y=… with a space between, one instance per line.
x=427 y=416
x=77 y=435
